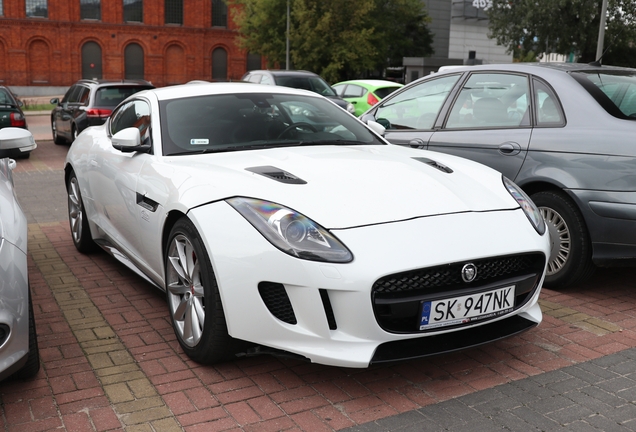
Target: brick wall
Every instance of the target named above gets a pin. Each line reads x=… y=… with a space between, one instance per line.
x=47 y=51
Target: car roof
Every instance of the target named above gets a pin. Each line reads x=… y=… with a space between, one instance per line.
x=530 y=67
x=203 y=89
x=106 y=82
x=372 y=82
x=285 y=72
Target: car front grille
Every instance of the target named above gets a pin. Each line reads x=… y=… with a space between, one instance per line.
x=397 y=298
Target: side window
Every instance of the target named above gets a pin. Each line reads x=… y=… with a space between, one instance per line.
x=418 y=106
x=83 y=96
x=354 y=91
x=71 y=94
x=491 y=100
x=255 y=78
x=340 y=89
x=547 y=108
x=266 y=80
x=135 y=113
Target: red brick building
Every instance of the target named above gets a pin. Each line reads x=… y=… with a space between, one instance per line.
x=57 y=42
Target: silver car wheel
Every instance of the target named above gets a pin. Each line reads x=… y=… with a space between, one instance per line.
x=75 y=211
x=560 y=239
x=185 y=290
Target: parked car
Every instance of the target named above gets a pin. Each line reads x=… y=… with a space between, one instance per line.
x=300 y=80
x=272 y=217
x=16 y=143
x=11 y=115
x=19 y=355
x=365 y=93
x=563 y=132
x=89 y=103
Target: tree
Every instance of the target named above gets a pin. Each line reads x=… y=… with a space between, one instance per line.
x=564 y=27
x=337 y=39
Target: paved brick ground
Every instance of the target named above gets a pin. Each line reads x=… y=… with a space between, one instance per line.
x=111 y=361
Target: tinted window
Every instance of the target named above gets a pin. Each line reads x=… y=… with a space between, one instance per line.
x=619 y=87
x=238 y=121
x=5 y=98
x=384 y=92
x=90 y=9
x=311 y=83
x=132 y=114
x=112 y=96
x=418 y=106
x=491 y=100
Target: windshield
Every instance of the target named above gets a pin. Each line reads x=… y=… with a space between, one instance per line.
x=231 y=122
x=311 y=83
x=111 y=96
x=618 y=86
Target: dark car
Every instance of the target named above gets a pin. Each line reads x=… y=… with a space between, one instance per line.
x=298 y=79
x=89 y=103
x=11 y=115
x=564 y=132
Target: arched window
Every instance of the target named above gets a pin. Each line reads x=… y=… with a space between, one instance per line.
x=219 y=64
x=134 y=62
x=91 y=60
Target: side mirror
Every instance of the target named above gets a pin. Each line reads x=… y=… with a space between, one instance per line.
x=376 y=127
x=55 y=101
x=129 y=140
x=16 y=141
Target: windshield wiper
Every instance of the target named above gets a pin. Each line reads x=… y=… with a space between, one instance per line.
x=335 y=142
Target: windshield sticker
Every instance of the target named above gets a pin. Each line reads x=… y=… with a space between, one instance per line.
x=199 y=141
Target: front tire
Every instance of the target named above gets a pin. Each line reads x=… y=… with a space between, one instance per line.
x=570 y=258
x=57 y=139
x=80 y=230
x=193 y=298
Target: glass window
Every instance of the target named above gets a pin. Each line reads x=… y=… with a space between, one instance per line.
x=83 y=96
x=266 y=80
x=132 y=114
x=111 y=96
x=133 y=11
x=90 y=9
x=173 y=12
x=417 y=107
x=1 y=8
x=219 y=13
x=619 y=87
x=219 y=64
x=491 y=100
x=354 y=91
x=547 y=107
x=134 y=62
x=37 y=8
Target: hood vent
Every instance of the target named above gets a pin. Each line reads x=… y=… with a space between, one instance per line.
x=276 y=174
x=431 y=162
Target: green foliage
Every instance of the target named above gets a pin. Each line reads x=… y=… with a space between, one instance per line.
x=337 y=39
x=563 y=26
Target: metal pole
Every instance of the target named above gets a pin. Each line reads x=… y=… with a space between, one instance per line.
x=287 y=47
x=601 y=31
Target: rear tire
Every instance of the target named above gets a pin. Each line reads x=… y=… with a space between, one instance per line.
x=570 y=260
x=193 y=298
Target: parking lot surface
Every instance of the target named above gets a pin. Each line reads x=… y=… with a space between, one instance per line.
x=110 y=360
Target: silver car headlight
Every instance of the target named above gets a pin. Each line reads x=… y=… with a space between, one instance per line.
x=526 y=204
x=291 y=232
x=350 y=108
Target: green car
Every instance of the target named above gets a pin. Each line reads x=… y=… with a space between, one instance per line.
x=365 y=93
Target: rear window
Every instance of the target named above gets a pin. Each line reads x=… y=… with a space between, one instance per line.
x=112 y=96
x=384 y=92
x=5 y=98
x=618 y=90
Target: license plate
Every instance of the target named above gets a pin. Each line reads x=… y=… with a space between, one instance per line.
x=468 y=308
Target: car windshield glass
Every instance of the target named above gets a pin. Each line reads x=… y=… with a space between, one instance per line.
x=5 y=98
x=112 y=96
x=619 y=87
x=314 y=84
x=232 y=122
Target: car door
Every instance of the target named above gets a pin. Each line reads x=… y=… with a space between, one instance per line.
x=114 y=176
x=489 y=122
x=63 y=112
x=410 y=116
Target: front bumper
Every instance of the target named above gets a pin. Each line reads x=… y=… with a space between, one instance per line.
x=333 y=319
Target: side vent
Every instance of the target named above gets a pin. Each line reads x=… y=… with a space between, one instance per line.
x=277 y=302
x=434 y=164
x=276 y=174
x=326 y=303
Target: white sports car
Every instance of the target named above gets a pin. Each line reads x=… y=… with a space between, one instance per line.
x=278 y=223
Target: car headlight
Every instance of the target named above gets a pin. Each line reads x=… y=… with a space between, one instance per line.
x=291 y=232
x=526 y=204
x=351 y=108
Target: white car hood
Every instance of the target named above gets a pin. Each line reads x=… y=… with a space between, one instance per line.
x=345 y=186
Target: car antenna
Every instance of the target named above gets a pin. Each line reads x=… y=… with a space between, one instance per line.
x=597 y=62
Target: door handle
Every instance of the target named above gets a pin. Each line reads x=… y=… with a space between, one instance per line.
x=509 y=148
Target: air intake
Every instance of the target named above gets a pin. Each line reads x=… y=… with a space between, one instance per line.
x=434 y=164
x=275 y=298
x=276 y=174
